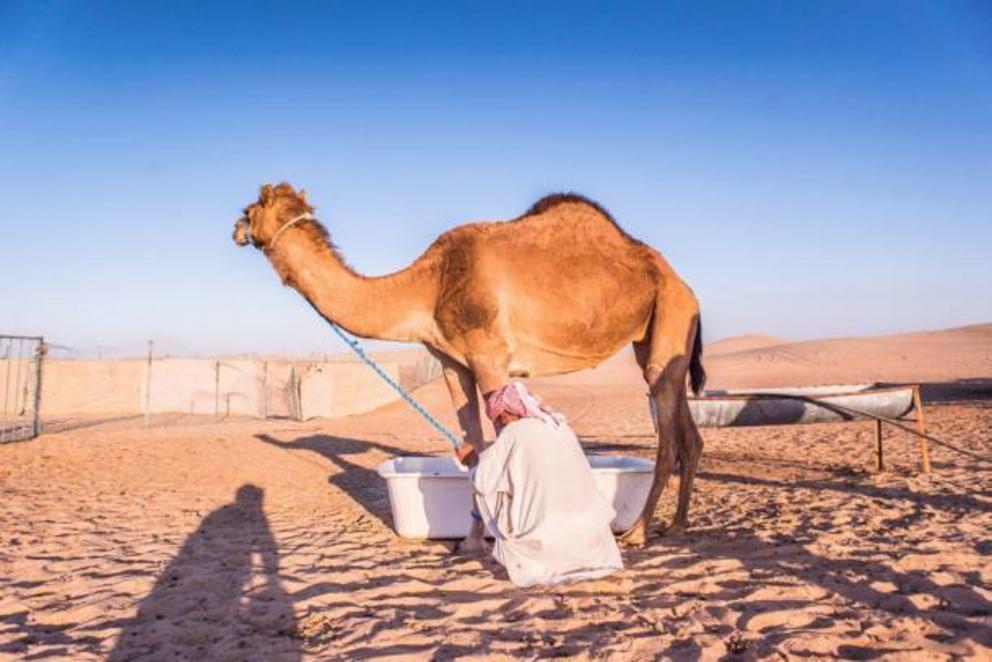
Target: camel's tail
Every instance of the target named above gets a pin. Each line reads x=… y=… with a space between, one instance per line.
x=697 y=375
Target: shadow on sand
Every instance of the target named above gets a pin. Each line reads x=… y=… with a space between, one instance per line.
x=784 y=560
x=212 y=595
x=220 y=596
x=958 y=610
x=360 y=483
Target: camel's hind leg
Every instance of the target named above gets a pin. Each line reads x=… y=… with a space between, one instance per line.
x=688 y=453
x=690 y=450
x=664 y=393
x=664 y=357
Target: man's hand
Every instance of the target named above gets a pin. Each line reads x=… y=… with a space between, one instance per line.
x=466 y=455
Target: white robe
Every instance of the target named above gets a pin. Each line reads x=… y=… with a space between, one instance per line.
x=537 y=496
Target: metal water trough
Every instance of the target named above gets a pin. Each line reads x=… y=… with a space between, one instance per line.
x=816 y=404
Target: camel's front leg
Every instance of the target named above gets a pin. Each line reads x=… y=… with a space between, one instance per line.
x=465 y=398
x=489 y=372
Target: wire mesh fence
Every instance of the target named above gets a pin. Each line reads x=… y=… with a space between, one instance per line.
x=22 y=358
x=168 y=390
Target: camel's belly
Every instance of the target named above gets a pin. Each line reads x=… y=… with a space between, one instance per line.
x=573 y=339
x=529 y=360
x=539 y=366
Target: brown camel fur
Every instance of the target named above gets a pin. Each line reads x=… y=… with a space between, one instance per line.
x=559 y=289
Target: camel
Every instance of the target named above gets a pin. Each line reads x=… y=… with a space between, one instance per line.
x=558 y=289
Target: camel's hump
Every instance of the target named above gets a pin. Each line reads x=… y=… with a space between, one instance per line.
x=553 y=200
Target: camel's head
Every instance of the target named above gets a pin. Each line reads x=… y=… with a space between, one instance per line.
x=276 y=206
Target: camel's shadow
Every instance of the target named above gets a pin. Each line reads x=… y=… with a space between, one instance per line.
x=362 y=484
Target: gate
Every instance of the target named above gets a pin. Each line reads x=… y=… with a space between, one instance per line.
x=20 y=377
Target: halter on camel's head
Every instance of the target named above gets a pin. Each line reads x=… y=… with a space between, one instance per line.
x=277 y=209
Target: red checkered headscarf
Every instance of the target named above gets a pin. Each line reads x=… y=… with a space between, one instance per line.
x=516 y=399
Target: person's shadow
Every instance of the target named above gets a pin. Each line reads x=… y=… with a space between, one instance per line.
x=220 y=596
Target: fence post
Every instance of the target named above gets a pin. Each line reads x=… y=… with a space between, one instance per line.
x=265 y=390
x=216 y=389
x=6 y=383
x=39 y=359
x=299 y=397
x=294 y=394
x=17 y=380
x=148 y=383
x=17 y=377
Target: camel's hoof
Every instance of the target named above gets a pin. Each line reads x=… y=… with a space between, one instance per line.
x=635 y=537
x=675 y=528
x=471 y=546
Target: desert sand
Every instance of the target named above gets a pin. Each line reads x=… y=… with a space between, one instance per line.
x=271 y=540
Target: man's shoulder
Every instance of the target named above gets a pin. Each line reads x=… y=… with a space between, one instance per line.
x=525 y=425
x=531 y=425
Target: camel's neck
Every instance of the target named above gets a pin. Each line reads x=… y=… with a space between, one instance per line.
x=394 y=307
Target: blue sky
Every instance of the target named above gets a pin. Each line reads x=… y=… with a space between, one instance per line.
x=811 y=169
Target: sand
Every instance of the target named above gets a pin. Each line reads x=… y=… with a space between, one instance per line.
x=270 y=540
x=742 y=344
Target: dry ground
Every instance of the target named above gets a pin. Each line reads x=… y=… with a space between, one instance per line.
x=270 y=540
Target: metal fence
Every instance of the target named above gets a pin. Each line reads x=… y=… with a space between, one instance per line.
x=21 y=358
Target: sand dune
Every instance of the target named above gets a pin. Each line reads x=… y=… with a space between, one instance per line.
x=743 y=343
x=932 y=356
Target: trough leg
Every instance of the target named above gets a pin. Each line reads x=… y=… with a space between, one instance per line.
x=922 y=430
x=880 y=461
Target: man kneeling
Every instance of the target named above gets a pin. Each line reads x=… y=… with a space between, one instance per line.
x=536 y=494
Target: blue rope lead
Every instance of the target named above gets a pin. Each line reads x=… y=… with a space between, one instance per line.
x=417 y=407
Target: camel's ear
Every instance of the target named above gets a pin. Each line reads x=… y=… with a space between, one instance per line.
x=283 y=189
x=266 y=194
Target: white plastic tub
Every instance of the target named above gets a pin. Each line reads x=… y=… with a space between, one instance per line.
x=431 y=496
x=625 y=482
